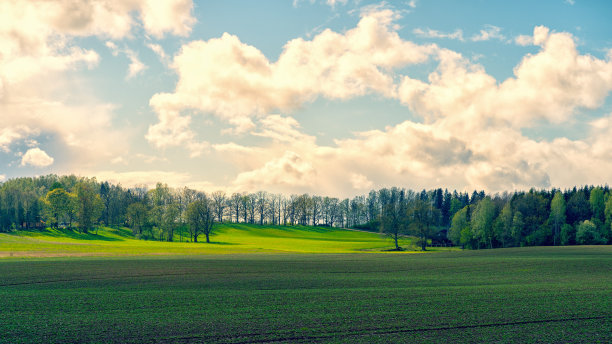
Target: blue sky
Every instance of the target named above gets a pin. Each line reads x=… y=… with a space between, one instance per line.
x=326 y=97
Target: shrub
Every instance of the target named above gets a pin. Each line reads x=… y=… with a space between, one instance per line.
x=587 y=234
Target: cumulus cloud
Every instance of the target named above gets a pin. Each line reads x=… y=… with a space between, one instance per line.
x=237 y=83
x=288 y=170
x=282 y=129
x=549 y=85
x=38 y=50
x=462 y=100
x=174 y=130
x=471 y=136
x=360 y=182
x=2 y=177
x=36 y=157
x=8 y=135
x=148 y=178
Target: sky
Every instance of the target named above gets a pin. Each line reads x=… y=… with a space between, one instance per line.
x=326 y=97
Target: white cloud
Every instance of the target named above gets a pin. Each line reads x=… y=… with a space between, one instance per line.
x=488 y=33
x=549 y=85
x=282 y=129
x=38 y=50
x=289 y=170
x=161 y=16
x=157 y=49
x=2 y=177
x=136 y=66
x=236 y=82
x=150 y=178
x=174 y=130
x=36 y=157
x=524 y=40
x=429 y=33
x=360 y=182
x=333 y=3
x=9 y=135
x=471 y=136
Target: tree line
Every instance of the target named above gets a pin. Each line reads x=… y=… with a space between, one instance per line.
x=477 y=220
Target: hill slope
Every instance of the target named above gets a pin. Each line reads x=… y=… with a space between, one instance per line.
x=227 y=239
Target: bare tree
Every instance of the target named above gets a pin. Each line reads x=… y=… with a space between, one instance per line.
x=200 y=218
x=261 y=203
x=219 y=199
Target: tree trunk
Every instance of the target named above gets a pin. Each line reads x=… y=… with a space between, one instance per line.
x=195 y=238
x=396 y=244
x=207 y=239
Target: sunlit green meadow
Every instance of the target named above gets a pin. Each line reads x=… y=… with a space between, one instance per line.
x=227 y=239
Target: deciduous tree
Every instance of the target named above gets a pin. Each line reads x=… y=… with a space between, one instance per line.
x=200 y=218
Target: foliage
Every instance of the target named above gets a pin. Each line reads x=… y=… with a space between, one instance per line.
x=422 y=217
x=587 y=234
x=200 y=218
x=482 y=222
x=459 y=223
x=557 y=215
x=519 y=218
x=89 y=206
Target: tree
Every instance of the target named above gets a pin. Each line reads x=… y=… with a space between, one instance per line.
x=503 y=226
x=587 y=234
x=517 y=227
x=170 y=220
x=607 y=231
x=90 y=206
x=459 y=223
x=482 y=221
x=421 y=218
x=220 y=202
x=261 y=203
x=235 y=202
x=598 y=206
x=578 y=208
x=200 y=218
x=568 y=234
x=393 y=221
x=534 y=212
x=557 y=215
x=137 y=215
x=57 y=202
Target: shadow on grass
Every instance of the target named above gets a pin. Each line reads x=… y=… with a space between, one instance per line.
x=209 y=243
x=121 y=232
x=70 y=233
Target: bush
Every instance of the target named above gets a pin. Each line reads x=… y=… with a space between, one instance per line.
x=587 y=234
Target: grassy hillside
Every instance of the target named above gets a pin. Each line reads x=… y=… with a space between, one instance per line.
x=227 y=239
x=520 y=295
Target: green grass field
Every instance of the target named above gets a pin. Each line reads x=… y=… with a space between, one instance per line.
x=529 y=295
x=227 y=239
x=153 y=292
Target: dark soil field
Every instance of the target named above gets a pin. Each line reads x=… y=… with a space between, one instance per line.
x=530 y=295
